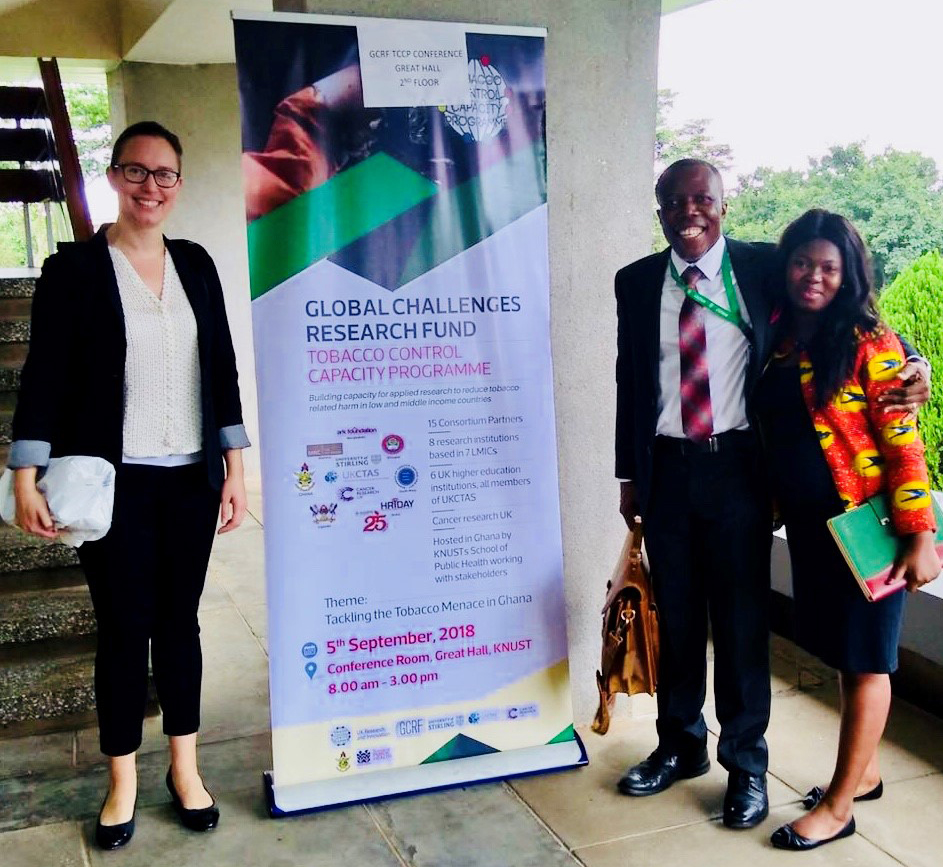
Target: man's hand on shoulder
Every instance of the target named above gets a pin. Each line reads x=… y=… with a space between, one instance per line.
x=913 y=391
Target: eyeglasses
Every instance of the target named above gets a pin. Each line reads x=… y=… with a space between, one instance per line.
x=135 y=174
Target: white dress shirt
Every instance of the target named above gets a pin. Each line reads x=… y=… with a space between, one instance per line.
x=727 y=349
x=162 y=411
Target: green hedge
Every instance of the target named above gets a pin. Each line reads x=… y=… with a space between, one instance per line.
x=913 y=306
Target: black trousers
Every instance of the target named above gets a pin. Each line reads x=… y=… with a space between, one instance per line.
x=708 y=536
x=145 y=577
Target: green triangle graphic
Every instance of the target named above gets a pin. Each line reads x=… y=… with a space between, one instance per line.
x=568 y=734
x=460 y=747
x=475 y=210
x=329 y=217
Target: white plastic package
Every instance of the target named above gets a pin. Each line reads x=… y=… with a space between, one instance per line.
x=80 y=491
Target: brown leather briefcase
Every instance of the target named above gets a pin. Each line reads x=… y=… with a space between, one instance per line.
x=629 y=631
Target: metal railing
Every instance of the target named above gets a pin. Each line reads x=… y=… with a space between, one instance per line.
x=36 y=137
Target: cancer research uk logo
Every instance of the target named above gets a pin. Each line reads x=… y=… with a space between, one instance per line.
x=486 y=112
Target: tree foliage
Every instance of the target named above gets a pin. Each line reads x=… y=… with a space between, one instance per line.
x=91 y=127
x=690 y=140
x=894 y=198
x=913 y=306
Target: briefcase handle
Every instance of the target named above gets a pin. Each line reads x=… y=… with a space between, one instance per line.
x=632 y=555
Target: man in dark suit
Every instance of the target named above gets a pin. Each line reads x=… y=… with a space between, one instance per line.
x=695 y=331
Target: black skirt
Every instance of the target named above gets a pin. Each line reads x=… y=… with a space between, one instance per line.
x=834 y=621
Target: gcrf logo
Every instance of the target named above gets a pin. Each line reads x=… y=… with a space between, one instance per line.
x=375 y=522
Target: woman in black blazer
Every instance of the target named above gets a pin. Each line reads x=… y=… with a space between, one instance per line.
x=131 y=360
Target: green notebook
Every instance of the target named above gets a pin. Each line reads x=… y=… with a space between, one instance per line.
x=869 y=545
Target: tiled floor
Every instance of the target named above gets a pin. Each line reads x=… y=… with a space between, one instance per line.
x=50 y=787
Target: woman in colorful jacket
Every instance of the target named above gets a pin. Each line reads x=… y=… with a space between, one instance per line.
x=832 y=443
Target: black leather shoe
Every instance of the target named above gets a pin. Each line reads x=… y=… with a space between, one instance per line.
x=746 y=803
x=662 y=768
x=787 y=838
x=814 y=796
x=113 y=836
x=203 y=819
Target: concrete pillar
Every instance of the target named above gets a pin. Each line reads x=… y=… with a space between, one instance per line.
x=201 y=105
x=601 y=94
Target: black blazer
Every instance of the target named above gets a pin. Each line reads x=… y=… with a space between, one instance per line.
x=638 y=305
x=72 y=384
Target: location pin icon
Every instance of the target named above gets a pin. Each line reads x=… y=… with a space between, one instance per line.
x=310 y=669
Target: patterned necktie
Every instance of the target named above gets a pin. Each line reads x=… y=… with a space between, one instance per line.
x=696 y=416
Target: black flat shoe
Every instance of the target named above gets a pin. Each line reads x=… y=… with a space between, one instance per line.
x=662 y=769
x=203 y=819
x=787 y=838
x=814 y=796
x=113 y=836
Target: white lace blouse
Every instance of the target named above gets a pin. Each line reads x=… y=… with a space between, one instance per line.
x=162 y=414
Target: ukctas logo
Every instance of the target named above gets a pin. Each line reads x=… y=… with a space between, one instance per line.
x=375 y=523
x=393 y=444
x=330 y=476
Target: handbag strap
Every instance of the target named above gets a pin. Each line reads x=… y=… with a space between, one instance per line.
x=635 y=554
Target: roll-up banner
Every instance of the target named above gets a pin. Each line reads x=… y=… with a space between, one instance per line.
x=396 y=199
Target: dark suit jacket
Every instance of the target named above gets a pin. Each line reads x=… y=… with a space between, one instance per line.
x=72 y=385
x=638 y=304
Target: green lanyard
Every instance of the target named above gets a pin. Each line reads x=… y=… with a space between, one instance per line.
x=731 y=315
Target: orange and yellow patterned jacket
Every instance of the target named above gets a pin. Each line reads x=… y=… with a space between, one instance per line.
x=868 y=448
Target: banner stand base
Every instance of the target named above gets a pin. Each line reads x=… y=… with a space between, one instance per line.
x=380 y=785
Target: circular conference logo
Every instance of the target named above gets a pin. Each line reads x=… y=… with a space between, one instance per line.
x=393 y=444
x=406 y=477
x=309 y=650
x=486 y=112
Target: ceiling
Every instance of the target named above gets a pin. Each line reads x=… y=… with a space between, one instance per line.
x=192 y=31
x=146 y=31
